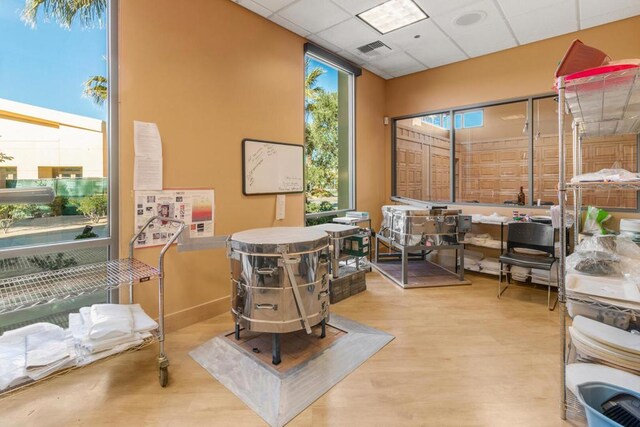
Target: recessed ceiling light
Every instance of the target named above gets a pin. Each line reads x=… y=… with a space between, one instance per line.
x=392 y=15
x=470 y=18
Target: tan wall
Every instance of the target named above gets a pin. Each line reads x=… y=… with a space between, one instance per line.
x=522 y=71
x=210 y=75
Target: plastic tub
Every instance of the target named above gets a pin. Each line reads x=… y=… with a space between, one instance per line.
x=592 y=395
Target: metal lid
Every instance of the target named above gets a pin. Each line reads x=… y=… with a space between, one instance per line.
x=278 y=239
x=337 y=231
x=426 y=212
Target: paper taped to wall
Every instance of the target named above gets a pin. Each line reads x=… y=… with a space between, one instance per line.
x=147 y=167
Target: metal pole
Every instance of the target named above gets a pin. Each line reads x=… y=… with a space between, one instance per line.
x=563 y=244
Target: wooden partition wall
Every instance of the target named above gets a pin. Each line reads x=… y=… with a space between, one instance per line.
x=492 y=171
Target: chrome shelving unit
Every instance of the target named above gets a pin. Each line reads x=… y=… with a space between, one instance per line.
x=23 y=292
x=601 y=105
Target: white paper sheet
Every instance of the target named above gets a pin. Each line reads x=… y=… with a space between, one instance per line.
x=280 y=206
x=147 y=169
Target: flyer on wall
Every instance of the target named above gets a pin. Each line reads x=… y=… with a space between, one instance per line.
x=194 y=207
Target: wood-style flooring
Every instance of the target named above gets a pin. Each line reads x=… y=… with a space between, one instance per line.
x=461 y=357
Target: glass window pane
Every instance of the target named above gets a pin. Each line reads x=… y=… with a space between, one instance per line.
x=597 y=154
x=328 y=137
x=52 y=125
x=458 y=120
x=473 y=119
x=56 y=312
x=423 y=160
x=493 y=159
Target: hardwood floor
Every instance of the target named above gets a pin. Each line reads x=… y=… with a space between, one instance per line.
x=461 y=357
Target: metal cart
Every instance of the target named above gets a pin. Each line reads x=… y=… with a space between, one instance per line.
x=23 y=292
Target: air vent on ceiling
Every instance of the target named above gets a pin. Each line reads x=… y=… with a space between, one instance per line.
x=374 y=49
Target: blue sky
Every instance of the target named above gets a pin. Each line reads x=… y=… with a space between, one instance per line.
x=46 y=66
x=329 y=80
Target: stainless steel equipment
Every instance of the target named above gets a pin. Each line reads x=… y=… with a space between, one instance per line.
x=337 y=233
x=279 y=280
x=413 y=226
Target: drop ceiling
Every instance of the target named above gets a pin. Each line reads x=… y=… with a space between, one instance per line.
x=437 y=40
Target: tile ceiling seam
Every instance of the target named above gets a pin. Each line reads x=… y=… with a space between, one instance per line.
x=464 y=52
x=416 y=59
x=506 y=22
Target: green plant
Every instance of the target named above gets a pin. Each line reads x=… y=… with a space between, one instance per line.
x=86 y=233
x=58 y=205
x=93 y=207
x=52 y=263
x=312 y=207
x=9 y=214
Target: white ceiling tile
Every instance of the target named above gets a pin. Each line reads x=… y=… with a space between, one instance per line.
x=546 y=22
x=441 y=7
x=374 y=70
x=409 y=70
x=351 y=33
x=289 y=25
x=351 y=57
x=405 y=37
x=518 y=7
x=323 y=43
x=395 y=63
x=487 y=36
x=357 y=6
x=436 y=54
x=274 y=5
x=314 y=15
x=598 y=12
x=254 y=7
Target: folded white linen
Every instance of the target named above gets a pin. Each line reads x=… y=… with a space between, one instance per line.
x=38 y=373
x=34 y=328
x=45 y=348
x=520 y=273
x=96 y=346
x=540 y=276
x=87 y=358
x=12 y=360
x=110 y=321
x=141 y=320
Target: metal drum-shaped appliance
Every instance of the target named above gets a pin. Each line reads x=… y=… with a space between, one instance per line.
x=413 y=226
x=387 y=218
x=279 y=279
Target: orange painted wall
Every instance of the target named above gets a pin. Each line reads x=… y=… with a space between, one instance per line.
x=209 y=75
x=521 y=71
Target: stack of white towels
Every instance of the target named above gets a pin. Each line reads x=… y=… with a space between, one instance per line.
x=104 y=329
x=33 y=352
x=606 y=344
x=541 y=277
x=490 y=266
x=520 y=274
x=472 y=260
x=41 y=349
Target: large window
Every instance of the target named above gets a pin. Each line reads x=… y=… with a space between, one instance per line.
x=329 y=138
x=500 y=153
x=54 y=122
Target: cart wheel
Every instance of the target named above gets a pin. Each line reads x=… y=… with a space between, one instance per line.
x=163 y=376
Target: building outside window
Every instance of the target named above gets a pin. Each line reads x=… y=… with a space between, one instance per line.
x=54 y=117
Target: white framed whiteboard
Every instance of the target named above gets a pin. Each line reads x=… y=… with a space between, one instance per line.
x=271 y=167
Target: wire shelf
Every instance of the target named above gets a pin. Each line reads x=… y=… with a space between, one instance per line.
x=606 y=104
x=631 y=185
x=27 y=291
x=602 y=303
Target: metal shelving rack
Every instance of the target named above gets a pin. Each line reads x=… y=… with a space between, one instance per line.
x=601 y=105
x=23 y=292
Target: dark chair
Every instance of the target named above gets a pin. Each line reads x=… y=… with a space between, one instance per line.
x=529 y=235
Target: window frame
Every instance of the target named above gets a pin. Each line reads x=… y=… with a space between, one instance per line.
x=111 y=242
x=332 y=60
x=479 y=106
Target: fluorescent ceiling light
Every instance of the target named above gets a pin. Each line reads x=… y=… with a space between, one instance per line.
x=392 y=15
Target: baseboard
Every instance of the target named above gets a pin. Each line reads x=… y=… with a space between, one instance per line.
x=192 y=315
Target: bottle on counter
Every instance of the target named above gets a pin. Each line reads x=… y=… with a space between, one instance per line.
x=521 y=196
